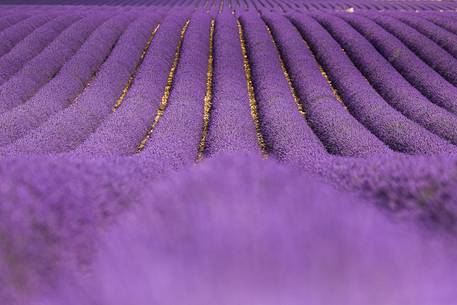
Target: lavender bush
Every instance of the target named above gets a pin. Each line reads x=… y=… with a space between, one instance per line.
x=228 y=152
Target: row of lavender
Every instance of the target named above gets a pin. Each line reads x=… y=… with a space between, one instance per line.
x=108 y=103
x=296 y=88
x=279 y=6
x=344 y=84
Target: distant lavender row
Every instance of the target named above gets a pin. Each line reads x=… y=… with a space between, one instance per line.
x=424 y=48
x=66 y=86
x=418 y=74
x=389 y=83
x=279 y=6
x=13 y=34
x=363 y=101
x=9 y=20
x=96 y=102
x=43 y=67
x=438 y=34
x=335 y=126
x=286 y=133
x=124 y=129
x=32 y=45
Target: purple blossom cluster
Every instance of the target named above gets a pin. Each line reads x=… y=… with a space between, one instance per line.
x=228 y=152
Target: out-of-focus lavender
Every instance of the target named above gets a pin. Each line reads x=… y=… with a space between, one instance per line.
x=233 y=229
x=228 y=152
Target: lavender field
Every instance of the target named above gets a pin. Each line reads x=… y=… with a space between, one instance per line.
x=228 y=152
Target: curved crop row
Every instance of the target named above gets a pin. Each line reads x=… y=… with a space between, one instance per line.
x=65 y=130
x=176 y=137
x=363 y=101
x=445 y=21
x=22 y=52
x=419 y=74
x=388 y=82
x=231 y=127
x=63 y=89
x=121 y=132
x=287 y=135
x=335 y=127
x=439 y=35
x=15 y=33
x=10 y=20
x=424 y=48
x=45 y=66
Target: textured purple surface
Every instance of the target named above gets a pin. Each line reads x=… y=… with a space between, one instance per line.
x=303 y=153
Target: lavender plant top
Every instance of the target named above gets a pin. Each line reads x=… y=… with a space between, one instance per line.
x=228 y=152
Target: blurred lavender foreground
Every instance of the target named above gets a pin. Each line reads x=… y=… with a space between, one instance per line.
x=228 y=152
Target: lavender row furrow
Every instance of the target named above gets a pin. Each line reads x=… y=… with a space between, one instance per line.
x=418 y=74
x=175 y=140
x=11 y=20
x=45 y=66
x=32 y=45
x=95 y=103
x=335 y=127
x=442 y=20
x=231 y=127
x=439 y=35
x=15 y=33
x=121 y=132
x=62 y=90
x=389 y=83
x=286 y=132
x=363 y=101
x=424 y=48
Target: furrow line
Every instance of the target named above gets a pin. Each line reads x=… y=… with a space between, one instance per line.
x=67 y=129
x=424 y=48
x=231 y=127
x=183 y=118
x=166 y=94
x=18 y=121
x=40 y=38
x=439 y=35
x=127 y=86
x=251 y=94
x=286 y=75
x=335 y=127
x=415 y=71
x=208 y=95
x=9 y=21
x=17 y=32
x=286 y=134
x=364 y=103
x=118 y=133
x=388 y=82
x=45 y=66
